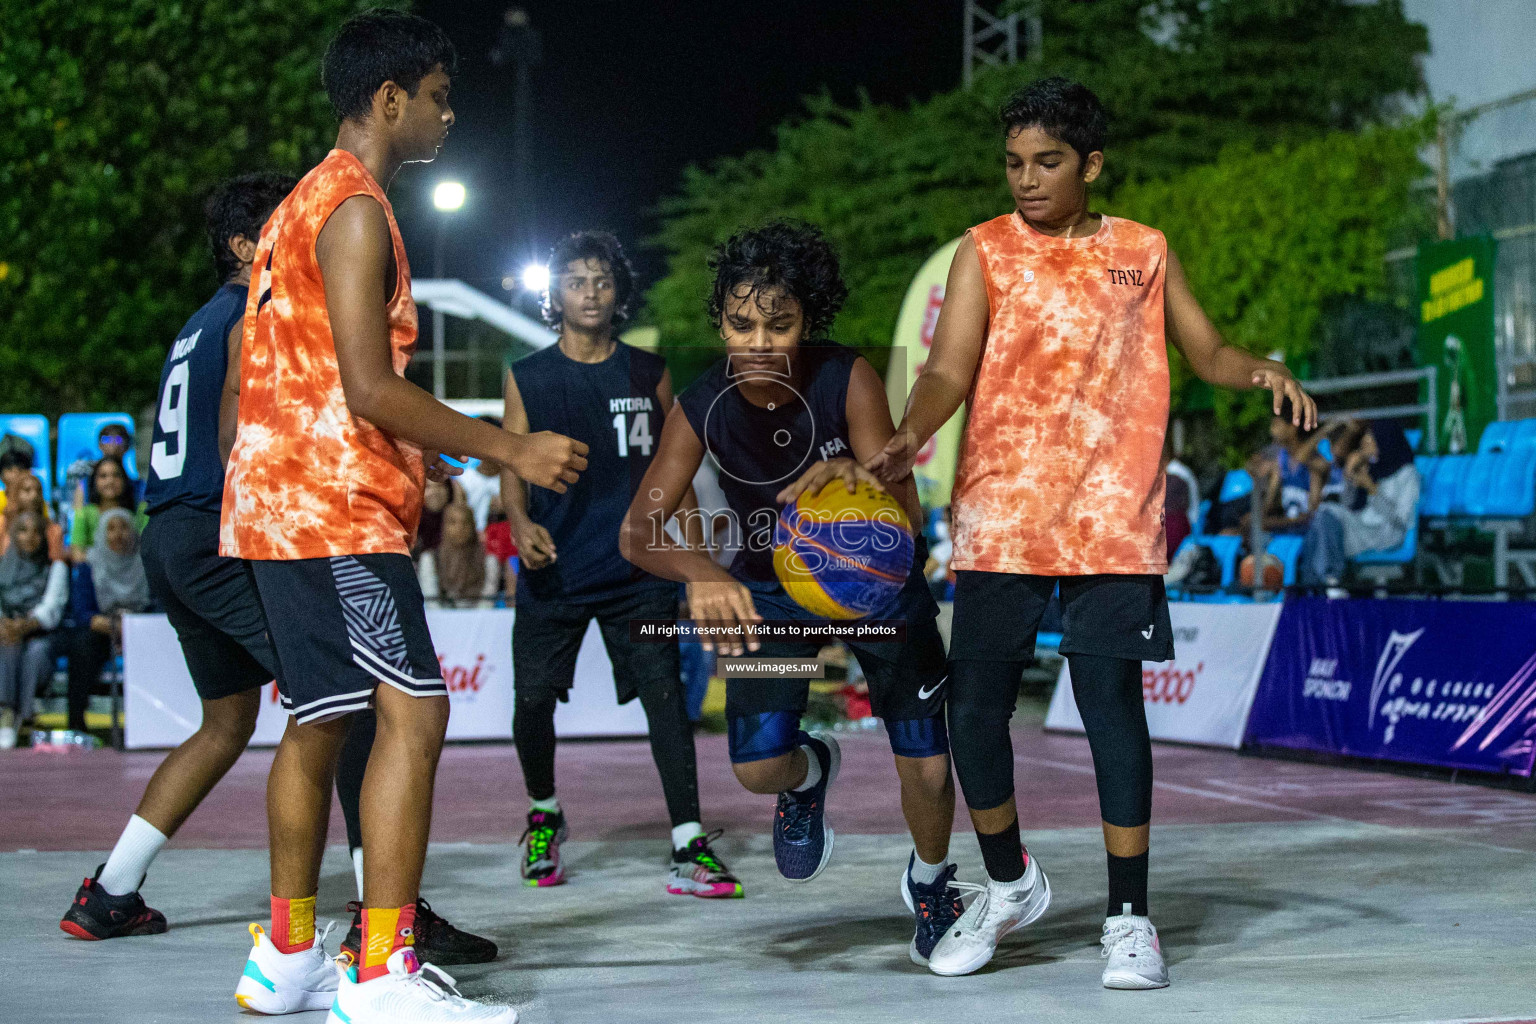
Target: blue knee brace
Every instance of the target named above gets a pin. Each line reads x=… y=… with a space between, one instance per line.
x=761 y=736
x=918 y=737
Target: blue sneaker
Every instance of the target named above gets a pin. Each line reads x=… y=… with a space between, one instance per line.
x=802 y=839
x=935 y=908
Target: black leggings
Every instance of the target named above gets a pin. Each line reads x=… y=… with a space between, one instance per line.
x=666 y=713
x=89 y=652
x=982 y=696
x=349 y=773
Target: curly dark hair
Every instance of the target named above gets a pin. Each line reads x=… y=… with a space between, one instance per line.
x=1061 y=108
x=381 y=46
x=784 y=254
x=591 y=245
x=240 y=206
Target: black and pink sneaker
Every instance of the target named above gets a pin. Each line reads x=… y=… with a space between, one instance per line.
x=541 y=848
x=96 y=914
x=696 y=871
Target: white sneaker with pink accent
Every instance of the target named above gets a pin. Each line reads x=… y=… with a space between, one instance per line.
x=1135 y=958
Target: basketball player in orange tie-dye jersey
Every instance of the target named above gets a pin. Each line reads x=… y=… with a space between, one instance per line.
x=322 y=498
x=1055 y=328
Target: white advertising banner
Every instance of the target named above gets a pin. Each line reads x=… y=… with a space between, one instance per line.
x=1203 y=695
x=474 y=648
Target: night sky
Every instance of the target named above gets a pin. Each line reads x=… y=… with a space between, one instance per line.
x=630 y=93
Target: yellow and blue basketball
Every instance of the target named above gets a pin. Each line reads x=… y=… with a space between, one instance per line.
x=841 y=555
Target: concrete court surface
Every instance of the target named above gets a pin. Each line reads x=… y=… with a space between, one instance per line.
x=1283 y=892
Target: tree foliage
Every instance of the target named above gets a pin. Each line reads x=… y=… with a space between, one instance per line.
x=1268 y=237
x=1184 y=80
x=123 y=114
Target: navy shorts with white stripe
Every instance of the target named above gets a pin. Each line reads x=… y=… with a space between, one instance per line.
x=343 y=625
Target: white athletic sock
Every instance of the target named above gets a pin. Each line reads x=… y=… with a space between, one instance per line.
x=131 y=857
x=1020 y=883
x=550 y=806
x=924 y=873
x=685 y=833
x=812 y=770
x=357 y=870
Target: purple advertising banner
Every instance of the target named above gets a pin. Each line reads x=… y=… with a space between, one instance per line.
x=1449 y=683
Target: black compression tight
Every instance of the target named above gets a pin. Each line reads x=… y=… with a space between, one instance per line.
x=671 y=734
x=982 y=697
x=350 y=768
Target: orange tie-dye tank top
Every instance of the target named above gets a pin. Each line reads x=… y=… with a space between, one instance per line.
x=1058 y=471
x=307 y=479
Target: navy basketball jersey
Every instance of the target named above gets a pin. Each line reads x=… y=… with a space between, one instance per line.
x=613 y=408
x=760 y=451
x=184 y=463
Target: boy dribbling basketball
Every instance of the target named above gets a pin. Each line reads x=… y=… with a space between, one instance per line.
x=788 y=411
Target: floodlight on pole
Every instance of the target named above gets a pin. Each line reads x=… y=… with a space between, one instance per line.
x=448 y=195
x=536 y=277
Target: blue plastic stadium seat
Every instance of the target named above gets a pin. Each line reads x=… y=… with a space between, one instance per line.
x=1426 y=465
x=1498 y=436
x=1524 y=438
x=1441 y=494
x=1287 y=548
x=34 y=429
x=1225 y=549
x=1414 y=436
x=78 y=432
x=1202 y=513
x=1513 y=493
x=1236 y=484
x=1477 y=489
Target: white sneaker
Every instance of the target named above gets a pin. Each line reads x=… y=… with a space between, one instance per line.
x=7 y=737
x=999 y=908
x=407 y=995
x=276 y=982
x=1134 y=955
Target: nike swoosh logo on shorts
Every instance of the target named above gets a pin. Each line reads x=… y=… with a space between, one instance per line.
x=924 y=694
x=1146 y=634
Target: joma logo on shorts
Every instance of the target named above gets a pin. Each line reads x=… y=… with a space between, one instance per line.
x=1130 y=277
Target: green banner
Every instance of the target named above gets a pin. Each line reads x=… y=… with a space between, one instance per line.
x=1456 y=336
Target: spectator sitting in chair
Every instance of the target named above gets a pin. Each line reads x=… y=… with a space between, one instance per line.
x=113 y=440
x=1295 y=475
x=459 y=573
x=15 y=464
x=1380 y=500
x=119 y=586
x=26 y=495
x=109 y=488
x=34 y=590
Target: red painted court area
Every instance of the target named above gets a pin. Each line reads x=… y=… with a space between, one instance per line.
x=78 y=801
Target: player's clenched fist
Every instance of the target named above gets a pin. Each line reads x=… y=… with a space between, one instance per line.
x=548 y=459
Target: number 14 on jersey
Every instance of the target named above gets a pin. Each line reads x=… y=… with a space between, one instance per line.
x=636 y=433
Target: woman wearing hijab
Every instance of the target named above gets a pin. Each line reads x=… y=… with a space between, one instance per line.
x=1380 y=500
x=34 y=590
x=119 y=585
x=459 y=573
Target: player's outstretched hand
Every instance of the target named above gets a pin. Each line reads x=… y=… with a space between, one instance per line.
x=439 y=468
x=893 y=462
x=548 y=459
x=1279 y=380
x=726 y=617
x=823 y=473
x=535 y=547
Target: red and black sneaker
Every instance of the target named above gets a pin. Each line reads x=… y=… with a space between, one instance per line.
x=436 y=941
x=97 y=914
